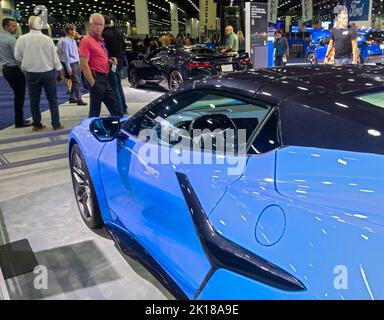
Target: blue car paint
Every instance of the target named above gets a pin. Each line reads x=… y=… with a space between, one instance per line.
x=320 y=220
x=134 y=191
x=319 y=235
x=366 y=50
x=335 y=219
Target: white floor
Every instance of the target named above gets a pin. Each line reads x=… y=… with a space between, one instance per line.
x=37 y=203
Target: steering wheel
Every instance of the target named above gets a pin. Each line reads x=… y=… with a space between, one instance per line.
x=213 y=122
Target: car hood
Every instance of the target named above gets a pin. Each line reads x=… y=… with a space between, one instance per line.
x=319 y=34
x=349 y=183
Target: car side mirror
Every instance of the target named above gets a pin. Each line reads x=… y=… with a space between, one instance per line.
x=105 y=129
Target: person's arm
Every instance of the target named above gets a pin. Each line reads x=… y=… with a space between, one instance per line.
x=330 y=48
x=355 y=51
x=85 y=54
x=12 y=44
x=87 y=71
x=286 y=49
x=56 y=61
x=228 y=48
x=19 y=50
x=65 y=50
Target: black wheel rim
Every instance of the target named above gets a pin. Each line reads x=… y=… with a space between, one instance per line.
x=82 y=187
x=311 y=58
x=175 y=79
x=133 y=78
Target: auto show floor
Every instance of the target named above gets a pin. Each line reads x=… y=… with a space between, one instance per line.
x=37 y=204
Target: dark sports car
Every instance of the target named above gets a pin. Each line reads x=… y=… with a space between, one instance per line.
x=298 y=215
x=169 y=67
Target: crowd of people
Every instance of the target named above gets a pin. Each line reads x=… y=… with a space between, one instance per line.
x=33 y=61
x=151 y=43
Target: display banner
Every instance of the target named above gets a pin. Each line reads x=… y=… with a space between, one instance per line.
x=257 y=27
x=259 y=24
x=272 y=10
x=307 y=6
x=208 y=9
x=359 y=10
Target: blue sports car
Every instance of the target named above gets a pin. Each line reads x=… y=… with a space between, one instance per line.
x=370 y=44
x=294 y=211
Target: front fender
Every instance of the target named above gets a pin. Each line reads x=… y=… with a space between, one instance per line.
x=91 y=150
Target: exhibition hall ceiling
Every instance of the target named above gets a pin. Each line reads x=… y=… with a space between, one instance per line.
x=124 y=10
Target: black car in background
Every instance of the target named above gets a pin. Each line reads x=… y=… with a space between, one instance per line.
x=169 y=67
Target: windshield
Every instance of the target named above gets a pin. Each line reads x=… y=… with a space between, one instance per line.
x=376 y=99
x=377 y=36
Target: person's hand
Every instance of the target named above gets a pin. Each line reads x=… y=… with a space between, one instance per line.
x=113 y=60
x=60 y=76
x=92 y=83
x=70 y=73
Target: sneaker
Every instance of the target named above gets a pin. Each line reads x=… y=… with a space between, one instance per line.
x=82 y=103
x=72 y=101
x=68 y=91
x=38 y=128
x=58 y=128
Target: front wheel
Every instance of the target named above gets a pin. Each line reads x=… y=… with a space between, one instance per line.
x=84 y=190
x=311 y=58
x=175 y=80
x=133 y=78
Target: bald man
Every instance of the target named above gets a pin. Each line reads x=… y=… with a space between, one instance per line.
x=95 y=66
x=232 y=45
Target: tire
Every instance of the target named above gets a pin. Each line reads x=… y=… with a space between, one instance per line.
x=133 y=79
x=311 y=58
x=175 y=79
x=84 y=191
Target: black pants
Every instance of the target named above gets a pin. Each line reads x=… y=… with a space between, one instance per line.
x=114 y=79
x=16 y=80
x=102 y=92
x=37 y=81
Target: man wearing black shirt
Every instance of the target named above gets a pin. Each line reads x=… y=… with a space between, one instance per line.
x=114 y=43
x=344 y=40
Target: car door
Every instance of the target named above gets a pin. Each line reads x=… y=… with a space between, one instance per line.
x=141 y=185
x=322 y=48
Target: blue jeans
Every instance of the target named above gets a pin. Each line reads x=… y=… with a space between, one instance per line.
x=114 y=79
x=279 y=61
x=343 y=61
x=35 y=82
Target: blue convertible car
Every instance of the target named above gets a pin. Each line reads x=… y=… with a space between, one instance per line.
x=370 y=44
x=298 y=215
